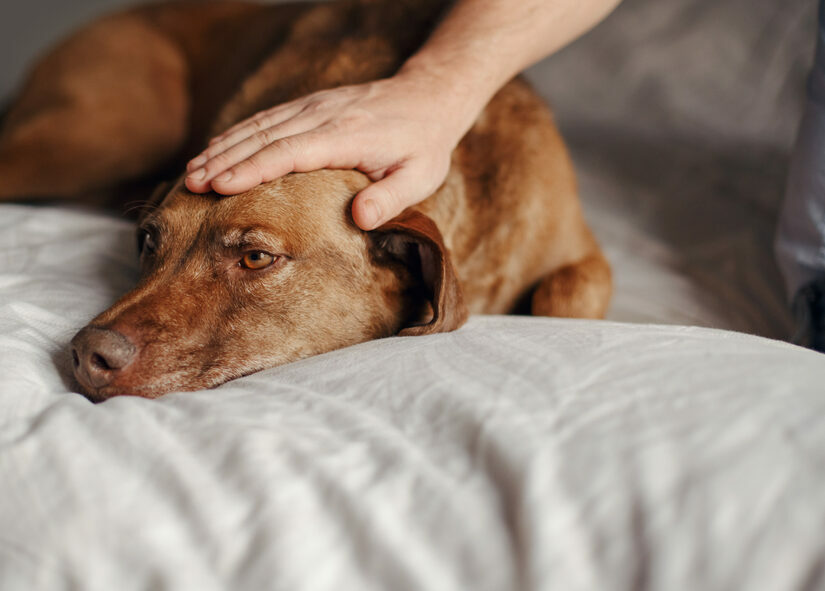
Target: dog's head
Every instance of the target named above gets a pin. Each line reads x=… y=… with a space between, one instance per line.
x=233 y=285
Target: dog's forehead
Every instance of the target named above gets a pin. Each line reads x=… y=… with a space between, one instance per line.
x=304 y=205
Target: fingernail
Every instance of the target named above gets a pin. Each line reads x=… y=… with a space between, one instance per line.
x=198 y=174
x=196 y=162
x=372 y=213
x=227 y=176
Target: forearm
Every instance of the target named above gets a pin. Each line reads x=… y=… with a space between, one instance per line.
x=399 y=131
x=481 y=44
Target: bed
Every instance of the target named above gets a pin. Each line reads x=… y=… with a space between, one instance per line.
x=678 y=445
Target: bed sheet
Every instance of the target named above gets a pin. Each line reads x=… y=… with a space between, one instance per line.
x=514 y=453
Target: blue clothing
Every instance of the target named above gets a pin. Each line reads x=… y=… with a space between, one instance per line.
x=800 y=241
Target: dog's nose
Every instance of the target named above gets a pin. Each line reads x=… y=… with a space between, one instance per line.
x=98 y=354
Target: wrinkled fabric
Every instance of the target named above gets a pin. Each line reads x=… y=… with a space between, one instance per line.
x=516 y=453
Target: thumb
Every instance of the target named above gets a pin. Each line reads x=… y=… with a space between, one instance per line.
x=385 y=199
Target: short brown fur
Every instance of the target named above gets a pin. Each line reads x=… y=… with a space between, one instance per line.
x=127 y=99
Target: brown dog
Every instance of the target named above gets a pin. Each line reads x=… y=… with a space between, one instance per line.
x=232 y=285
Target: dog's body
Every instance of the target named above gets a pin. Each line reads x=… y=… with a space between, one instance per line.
x=136 y=93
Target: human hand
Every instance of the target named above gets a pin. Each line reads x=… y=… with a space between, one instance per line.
x=397 y=131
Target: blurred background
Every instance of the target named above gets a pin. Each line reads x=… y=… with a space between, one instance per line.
x=680 y=116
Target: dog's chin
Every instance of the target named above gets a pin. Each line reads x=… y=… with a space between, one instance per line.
x=173 y=383
x=150 y=390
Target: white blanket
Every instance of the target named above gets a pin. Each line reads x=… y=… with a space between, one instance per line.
x=515 y=453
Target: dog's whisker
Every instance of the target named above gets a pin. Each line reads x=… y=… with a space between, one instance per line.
x=145 y=205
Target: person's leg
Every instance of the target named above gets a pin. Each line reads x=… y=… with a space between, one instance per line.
x=800 y=242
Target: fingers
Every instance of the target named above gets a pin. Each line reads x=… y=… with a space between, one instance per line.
x=298 y=153
x=262 y=120
x=217 y=163
x=378 y=128
x=382 y=201
x=275 y=120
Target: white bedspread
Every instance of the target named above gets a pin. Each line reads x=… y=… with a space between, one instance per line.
x=515 y=453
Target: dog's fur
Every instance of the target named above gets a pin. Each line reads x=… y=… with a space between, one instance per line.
x=131 y=96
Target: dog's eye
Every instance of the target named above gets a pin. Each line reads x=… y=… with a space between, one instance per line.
x=257 y=260
x=146 y=242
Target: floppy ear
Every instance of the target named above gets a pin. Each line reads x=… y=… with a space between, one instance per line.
x=414 y=239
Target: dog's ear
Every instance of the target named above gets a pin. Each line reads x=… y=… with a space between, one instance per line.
x=413 y=239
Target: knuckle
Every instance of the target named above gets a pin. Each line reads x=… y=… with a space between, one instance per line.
x=259 y=124
x=353 y=120
x=264 y=137
x=341 y=125
x=314 y=106
x=291 y=144
x=321 y=102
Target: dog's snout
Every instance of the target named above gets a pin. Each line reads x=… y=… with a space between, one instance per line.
x=99 y=354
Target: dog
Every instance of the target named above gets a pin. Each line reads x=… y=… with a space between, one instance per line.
x=233 y=285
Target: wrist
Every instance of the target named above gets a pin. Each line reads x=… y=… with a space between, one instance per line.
x=457 y=93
